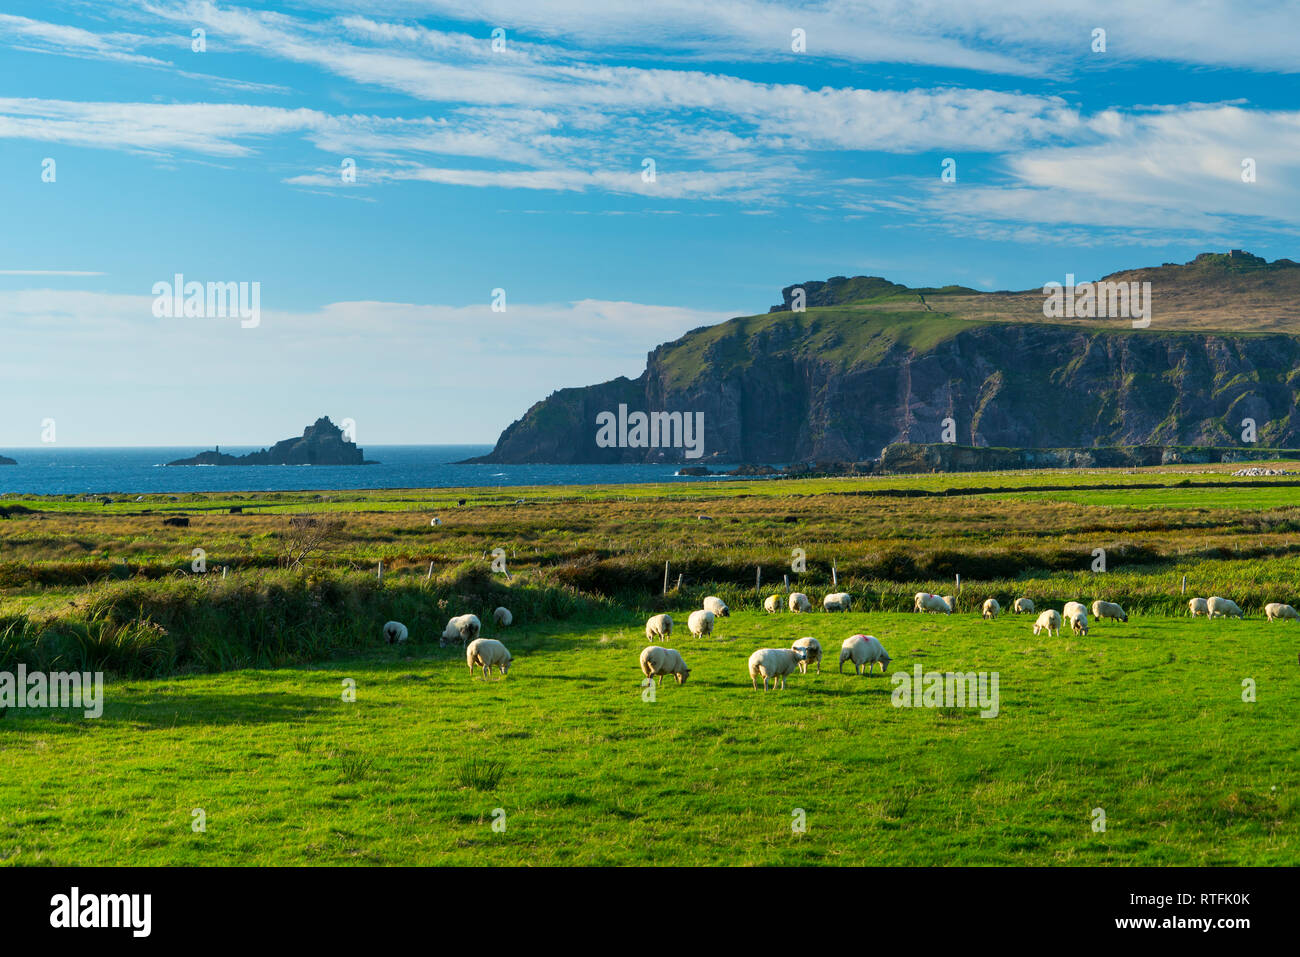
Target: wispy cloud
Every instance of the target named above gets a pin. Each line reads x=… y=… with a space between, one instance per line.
x=48 y=272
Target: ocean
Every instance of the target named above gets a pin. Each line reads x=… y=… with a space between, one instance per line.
x=51 y=470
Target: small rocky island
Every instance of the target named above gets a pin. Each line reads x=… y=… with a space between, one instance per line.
x=5 y=461
x=320 y=444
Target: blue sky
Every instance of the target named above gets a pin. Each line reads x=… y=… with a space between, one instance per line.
x=521 y=168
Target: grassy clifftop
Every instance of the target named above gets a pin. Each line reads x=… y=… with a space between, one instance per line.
x=869 y=362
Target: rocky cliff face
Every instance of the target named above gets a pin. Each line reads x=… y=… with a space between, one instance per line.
x=320 y=444
x=841 y=382
x=5 y=461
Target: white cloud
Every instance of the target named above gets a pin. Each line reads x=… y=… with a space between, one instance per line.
x=209 y=128
x=1008 y=37
x=372 y=354
x=1156 y=177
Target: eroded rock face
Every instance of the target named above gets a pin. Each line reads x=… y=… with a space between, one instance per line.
x=322 y=443
x=770 y=396
x=5 y=461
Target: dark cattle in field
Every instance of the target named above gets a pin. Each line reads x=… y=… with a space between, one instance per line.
x=236 y=511
x=179 y=521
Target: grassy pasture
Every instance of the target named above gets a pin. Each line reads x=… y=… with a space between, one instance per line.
x=226 y=695
x=1144 y=720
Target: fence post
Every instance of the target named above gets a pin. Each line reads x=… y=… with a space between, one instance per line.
x=1184 y=585
x=758 y=579
x=959 y=584
x=679 y=581
x=786 y=581
x=665 y=578
x=380 y=573
x=430 y=575
x=835 y=580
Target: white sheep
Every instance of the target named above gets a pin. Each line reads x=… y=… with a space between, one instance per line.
x=1224 y=607
x=772 y=604
x=1199 y=606
x=773 y=663
x=394 y=632
x=924 y=601
x=1278 y=611
x=990 y=609
x=1023 y=606
x=657 y=662
x=952 y=602
x=700 y=623
x=1108 y=609
x=812 y=654
x=717 y=606
x=487 y=653
x=837 y=601
x=503 y=617
x=1077 y=615
x=1049 y=621
x=659 y=626
x=462 y=627
x=799 y=601
x=863 y=650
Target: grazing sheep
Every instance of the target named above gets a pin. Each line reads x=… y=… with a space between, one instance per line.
x=435 y=521
x=717 y=606
x=394 y=632
x=924 y=601
x=503 y=617
x=990 y=609
x=1077 y=616
x=837 y=601
x=1108 y=609
x=863 y=650
x=799 y=601
x=774 y=663
x=772 y=604
x=952 y=602
x=659 y=626
x=1023 y=606
x=1049 y=621
x=1276 y=610
x=700 y=623
x=1224 y=607
x=462 y=627
x=657 y=662
x=1199 y=606
x=487 y=653
x=812 y=651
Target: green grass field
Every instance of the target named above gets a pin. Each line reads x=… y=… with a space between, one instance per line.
x=1144 y=720
x=227 y=697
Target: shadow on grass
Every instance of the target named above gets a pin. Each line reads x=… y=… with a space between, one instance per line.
x=176 y=711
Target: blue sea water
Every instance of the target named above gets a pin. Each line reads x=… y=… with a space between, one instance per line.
x=51 y=470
